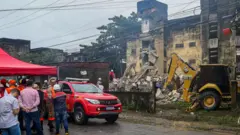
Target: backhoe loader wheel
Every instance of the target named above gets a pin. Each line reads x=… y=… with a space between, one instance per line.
x=210 y=100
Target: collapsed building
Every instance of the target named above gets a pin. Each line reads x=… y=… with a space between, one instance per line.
x=149 y=53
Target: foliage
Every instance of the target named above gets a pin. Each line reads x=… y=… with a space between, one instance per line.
x=110 y=46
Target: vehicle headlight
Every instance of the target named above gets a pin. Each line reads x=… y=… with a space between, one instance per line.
x=118 y=101
x=92 y=101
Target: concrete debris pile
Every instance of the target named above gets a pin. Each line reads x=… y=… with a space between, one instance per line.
x=167 y=97
x=170 y=95
x=134 y=80
x=142 y=81
x=113 y=84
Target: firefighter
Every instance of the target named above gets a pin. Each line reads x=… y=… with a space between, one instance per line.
x=60 y=109
x=50 y=94
x=22 y=84
x=12 y=85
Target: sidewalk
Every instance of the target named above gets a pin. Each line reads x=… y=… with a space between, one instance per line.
x=157 y=120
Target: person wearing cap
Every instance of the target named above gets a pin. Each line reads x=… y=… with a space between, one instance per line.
x=60 y=109
x=49 y=95
x=111 y=75
x=9 y=110
x=45 y=84
x=12 y=85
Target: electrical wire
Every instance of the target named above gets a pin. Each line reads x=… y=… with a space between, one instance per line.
x=74 y=31
x=52 y=7
x=101 y=46
x=21 y=18
x=32 y=18
x=16 y=11
x=156 y=28
x=162 y=27
x=36 y=18
x=188 y=4
x=79 y=39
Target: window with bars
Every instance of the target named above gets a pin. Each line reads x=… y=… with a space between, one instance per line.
x=192 y=44
x=179 y=46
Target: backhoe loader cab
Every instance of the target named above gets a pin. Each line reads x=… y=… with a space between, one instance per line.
x=213 y=85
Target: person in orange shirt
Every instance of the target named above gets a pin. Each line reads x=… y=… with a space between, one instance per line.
x=49 y=95
x=22 y=84
x=12 y=85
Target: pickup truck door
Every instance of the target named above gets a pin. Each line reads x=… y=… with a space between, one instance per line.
x=70 y=96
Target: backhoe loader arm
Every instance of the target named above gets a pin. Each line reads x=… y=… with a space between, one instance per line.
x=177 y=62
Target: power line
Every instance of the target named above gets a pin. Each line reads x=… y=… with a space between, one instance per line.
x=52 y=7
x=185 y=20
x=16 y=11
x=40 y=16
x=188 y=4
x=74 y=30
x=115 y=39
x=94 y=8
x=32 y=18
x=79 y=39
x=21 y=18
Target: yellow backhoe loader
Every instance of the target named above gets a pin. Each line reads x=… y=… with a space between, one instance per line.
x=211 y=85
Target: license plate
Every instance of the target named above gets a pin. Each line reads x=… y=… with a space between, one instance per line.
x=110 y=108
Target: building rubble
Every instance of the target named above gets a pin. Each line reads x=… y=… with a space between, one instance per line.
x=144 y=80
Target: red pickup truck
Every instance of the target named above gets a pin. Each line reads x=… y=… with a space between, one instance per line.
x=85 y=100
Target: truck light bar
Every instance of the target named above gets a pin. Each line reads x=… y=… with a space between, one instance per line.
x=76 y=79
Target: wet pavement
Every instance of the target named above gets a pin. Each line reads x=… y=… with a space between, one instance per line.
x=99 y=127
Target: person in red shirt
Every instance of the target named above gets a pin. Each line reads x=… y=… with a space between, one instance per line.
x=4 y=82
x=111 y=75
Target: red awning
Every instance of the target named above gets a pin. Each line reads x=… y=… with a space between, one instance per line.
x=12 y=66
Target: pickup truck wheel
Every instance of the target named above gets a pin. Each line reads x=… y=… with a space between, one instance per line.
x=79 y=116
x=111 y=119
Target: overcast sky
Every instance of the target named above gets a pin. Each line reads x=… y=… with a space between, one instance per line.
x=45 y=28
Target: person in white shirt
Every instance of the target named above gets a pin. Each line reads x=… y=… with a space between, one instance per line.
x=9 y=110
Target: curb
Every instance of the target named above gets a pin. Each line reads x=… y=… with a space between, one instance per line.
x=178 y=124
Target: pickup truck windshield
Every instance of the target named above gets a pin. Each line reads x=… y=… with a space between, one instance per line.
x=86 y=88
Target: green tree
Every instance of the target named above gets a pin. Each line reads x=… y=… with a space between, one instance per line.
x=110 y=46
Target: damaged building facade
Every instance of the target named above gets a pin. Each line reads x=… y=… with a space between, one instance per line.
x=184 y=39
x=218 y=48
x=148 y=48
x=161 y=37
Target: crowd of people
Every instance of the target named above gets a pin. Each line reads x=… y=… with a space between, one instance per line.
x=23 y=107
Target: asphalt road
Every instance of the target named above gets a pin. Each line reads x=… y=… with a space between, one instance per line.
x=99 y=127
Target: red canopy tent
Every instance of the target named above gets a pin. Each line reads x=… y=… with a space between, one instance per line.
x=12 y=66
